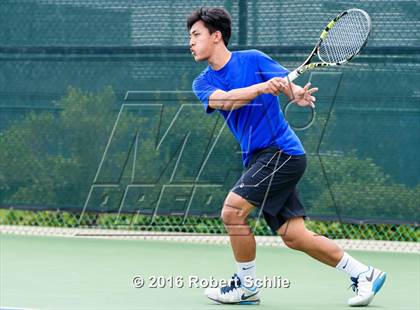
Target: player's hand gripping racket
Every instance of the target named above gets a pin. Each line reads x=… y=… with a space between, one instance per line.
x=343 y=38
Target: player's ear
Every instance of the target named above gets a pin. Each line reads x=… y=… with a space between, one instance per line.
x=217 y=36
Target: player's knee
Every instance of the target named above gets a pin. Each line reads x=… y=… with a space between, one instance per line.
x=235 y=222
x=230 y=215
x=293 y=241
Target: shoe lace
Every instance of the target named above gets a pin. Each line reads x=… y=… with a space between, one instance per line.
x=355 y=283
x=233 y=284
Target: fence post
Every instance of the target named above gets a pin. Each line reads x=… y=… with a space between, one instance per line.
x=243 y=23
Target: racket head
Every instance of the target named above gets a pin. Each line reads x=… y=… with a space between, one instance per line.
x=344 y=37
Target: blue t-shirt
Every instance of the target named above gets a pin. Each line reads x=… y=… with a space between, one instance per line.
x=260 y=123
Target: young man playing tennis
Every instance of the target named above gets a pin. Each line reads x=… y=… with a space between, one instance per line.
x=243 y=87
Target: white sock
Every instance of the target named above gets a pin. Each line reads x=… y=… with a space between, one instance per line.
x=351 y=266
x=247 y=273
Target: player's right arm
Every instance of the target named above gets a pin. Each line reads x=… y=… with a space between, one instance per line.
x=237 y=98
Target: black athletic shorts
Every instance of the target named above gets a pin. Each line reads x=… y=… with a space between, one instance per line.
x=269 y=183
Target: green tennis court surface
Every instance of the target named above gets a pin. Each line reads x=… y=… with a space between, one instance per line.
x=76 y=273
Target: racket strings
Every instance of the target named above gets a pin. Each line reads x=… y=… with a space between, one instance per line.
x=345 y=38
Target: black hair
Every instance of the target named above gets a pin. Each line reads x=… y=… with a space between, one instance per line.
x=214 y=19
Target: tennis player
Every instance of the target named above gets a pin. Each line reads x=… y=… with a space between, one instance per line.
x=243 y=87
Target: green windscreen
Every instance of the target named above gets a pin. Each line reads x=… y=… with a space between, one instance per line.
x=97 y=113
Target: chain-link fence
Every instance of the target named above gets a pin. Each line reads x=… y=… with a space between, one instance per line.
x=70 y=139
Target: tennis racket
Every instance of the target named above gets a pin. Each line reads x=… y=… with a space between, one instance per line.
x=342 y=39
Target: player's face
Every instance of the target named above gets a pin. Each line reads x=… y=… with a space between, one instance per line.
x=201 y=42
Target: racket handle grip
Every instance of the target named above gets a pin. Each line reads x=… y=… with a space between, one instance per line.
x=293 y=75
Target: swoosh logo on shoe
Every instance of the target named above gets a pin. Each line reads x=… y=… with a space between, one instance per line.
x=371 y=276
x=243 y=297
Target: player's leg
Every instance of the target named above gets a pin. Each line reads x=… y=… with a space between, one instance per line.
x=240 y=289
x=250 y=189
x=296 y=236
x=234 y=214
x=367 y=281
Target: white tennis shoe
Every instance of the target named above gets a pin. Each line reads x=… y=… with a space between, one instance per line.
x=234 y=293
x=366 y=285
